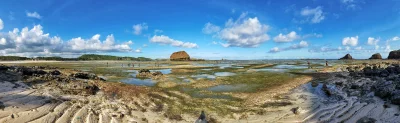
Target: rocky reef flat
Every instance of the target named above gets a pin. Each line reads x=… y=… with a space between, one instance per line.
x=357 y=91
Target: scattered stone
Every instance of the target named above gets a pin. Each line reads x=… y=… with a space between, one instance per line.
x=366 y=120
x=55 y=72
x=296 y=110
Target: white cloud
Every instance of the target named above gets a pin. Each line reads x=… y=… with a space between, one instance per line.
x=33 y=15
x=214 y=42
x=162 y=39
x=347 y=48
x=3 y=41
x=396 y=38
x=372 y=41
x=144 y=45
x=350 y=4
x=35 y=42
x=358 y=48
x=312 y=35
x=244 y=32
x=1 y=24
x=158 y=31
x=302 y=44
x=315 y=15
x=210 y=28
x=351 y=41
x=274 y=50
x=138 y=28
x=286 y=38
x=339 y=48
x=139 y=50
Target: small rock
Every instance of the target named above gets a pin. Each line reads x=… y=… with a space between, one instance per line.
x=366 y=120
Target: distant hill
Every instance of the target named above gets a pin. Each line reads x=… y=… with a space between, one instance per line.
x=85 y=57
x=109 y=57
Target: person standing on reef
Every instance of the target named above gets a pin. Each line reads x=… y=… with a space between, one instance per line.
x=202 y=118
x=309 y=66
x=326 y=63
x=107 y=64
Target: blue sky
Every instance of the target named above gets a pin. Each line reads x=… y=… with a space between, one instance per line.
x=210 y=29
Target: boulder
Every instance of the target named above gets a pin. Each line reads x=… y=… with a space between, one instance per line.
x=85 y=75
x=55 y=72
x=376 y=56
x=144 y=71
x=385 y=89
x=157 y=73
x=3 y=68
x=346 y=57
x=394 y=54
x=366 y=120
x=179 y=56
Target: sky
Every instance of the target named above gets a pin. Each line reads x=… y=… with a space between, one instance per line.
x=206 y=29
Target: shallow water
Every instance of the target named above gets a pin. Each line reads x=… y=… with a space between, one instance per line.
x=271 y=70
x=290 y=67
x=204 y=76
x=224 y=74
x=139 y=82
x=230 y=88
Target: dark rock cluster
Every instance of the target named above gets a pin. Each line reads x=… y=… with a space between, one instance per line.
x=145 y=73
x=383 y=81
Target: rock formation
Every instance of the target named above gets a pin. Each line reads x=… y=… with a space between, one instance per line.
x=180 y=56
x=394 y=54
x=346 y=57
x=376 y=56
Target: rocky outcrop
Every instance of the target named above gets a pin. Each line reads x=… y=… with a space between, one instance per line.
x=145 y=73
x=180 y=56
x=394 y=54
x=346 y=57
x=376 y=56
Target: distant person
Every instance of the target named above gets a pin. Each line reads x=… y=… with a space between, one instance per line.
x=202 y=118
x=309 y=66
x=133 y=65
x=129 y=64
x=107 y=64
x=326 y=63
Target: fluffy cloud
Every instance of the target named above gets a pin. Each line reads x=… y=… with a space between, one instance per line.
x=35 y=42
x=302 y=44
x=1 y=24
x=372 y=41
x=138 y=28
x=349 y=4
x=286 y=38
x=244 y=32
x=210 y=28
x=314 y=15
x=358 y=48
x=396 y=38
x=139 y=50
x=33 y=15
x=158 y=31
x=312 y=35
x=162 y=39
x=350 y=41
x=94 y=44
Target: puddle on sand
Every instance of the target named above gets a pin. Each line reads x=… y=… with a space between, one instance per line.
x=139 y=82
x=163 y=71
x=204 y=76
x=206 y=69
x=270 y=70
x=290 y=67
x=224 y=74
